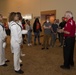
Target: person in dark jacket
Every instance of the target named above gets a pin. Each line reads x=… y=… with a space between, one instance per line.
x=23 y=27
x=61 y=26
x=37 y=29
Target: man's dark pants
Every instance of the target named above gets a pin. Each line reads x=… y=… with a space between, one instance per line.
x=68 y=51
x=61 y=38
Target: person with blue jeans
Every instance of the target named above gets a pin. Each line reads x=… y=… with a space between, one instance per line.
x=29 y=34
x=37 y=29
x=54 y=34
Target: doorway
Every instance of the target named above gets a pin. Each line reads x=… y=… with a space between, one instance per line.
x=45 y=14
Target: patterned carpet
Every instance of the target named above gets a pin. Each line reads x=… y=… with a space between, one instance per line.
x=39 y=62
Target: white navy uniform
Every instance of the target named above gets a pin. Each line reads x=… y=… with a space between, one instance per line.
x=16 y=40
x=2 y=39
x=19 y=23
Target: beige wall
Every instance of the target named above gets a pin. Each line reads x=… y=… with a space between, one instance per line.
x=36 y=6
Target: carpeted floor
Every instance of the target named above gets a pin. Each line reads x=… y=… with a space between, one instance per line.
x=39 y=62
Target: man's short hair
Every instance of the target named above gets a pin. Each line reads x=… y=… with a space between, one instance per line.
x=69 y=13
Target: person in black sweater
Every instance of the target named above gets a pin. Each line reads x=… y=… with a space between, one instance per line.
x=61 y=26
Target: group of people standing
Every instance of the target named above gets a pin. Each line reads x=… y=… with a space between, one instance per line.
x=15 y=27
x=65 y=31
x=50 y=31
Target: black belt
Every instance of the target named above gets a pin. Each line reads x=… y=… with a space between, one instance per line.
x=69 y=37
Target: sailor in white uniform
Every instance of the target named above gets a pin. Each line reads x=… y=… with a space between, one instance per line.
x=19 y=23
x=16 y=41
x=2 y=40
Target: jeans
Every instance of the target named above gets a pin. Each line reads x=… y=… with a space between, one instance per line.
x=37 y=36
x=53 y=39
x=61 y=38
x=29 y=35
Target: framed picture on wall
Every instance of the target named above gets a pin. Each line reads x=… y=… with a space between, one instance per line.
x=28 y=16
